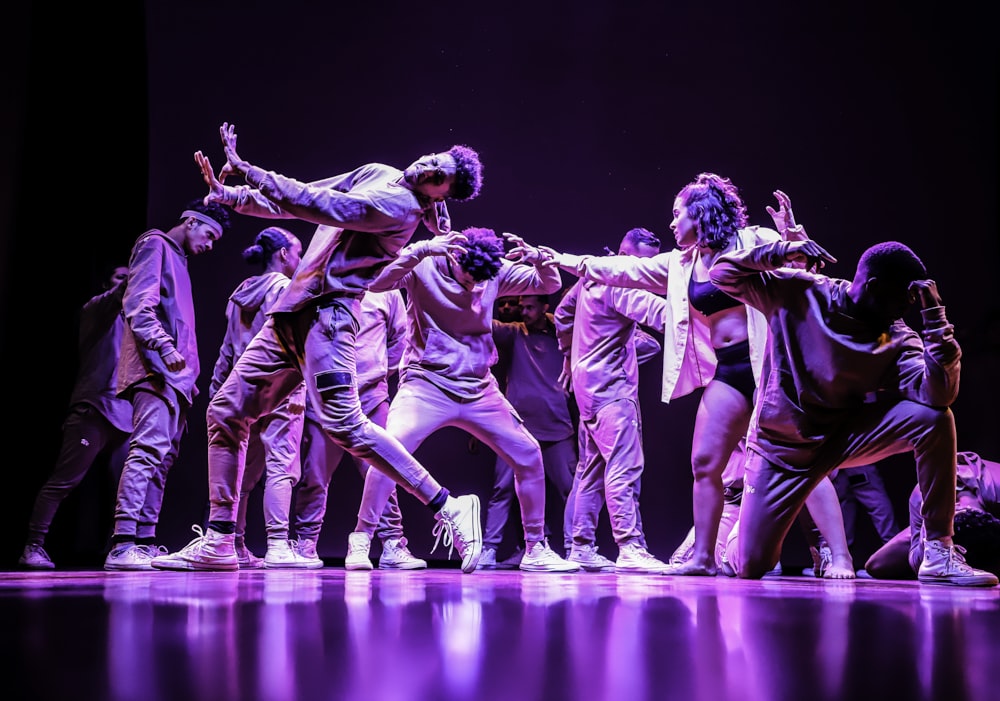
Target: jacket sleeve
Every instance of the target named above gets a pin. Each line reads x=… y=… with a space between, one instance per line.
x=743 y=275
x=226 y=359
x=142 y=296
x=564 y=318
x=395 y=331
x=522 y=279
x=102 y=309
x=646 y=345
x=628 y=271
x=929 y=371
x=394 y=275
x=329 y=202
x=640 y=306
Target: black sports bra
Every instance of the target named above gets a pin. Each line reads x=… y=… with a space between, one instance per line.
x=709 y=299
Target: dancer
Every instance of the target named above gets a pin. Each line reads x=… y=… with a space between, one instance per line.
x=273 y=446
x=364 y=218
x=849 y=383
x=445 y=377
x=381 y=338
x=532 y=387
x=98 y=422
x=977 y=524
x=157 y=371
x=596 y=326
x=715 y=342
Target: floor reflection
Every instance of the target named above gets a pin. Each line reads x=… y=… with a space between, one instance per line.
x=439 y=635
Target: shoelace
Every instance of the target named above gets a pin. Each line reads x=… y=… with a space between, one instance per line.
x=195 y=541
x=443 y=534
x=643 y=555
x=956 y=558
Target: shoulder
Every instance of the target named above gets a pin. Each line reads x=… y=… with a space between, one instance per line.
x=755 y=235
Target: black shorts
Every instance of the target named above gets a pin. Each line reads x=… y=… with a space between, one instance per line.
x=735 y=370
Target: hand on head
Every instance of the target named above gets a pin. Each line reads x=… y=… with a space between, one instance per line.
x=926 y=293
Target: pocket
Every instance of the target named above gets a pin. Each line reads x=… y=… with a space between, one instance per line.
x=468 y=357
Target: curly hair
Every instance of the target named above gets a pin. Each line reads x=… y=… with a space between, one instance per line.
x=640 y=236
x=892 y=261
x=715 y=204
x=979 y=533
x=483 y=254
x=268 y=242
x=217 y=212
x=468 y=173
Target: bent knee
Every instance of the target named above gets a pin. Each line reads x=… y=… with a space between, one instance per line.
x=934 y=419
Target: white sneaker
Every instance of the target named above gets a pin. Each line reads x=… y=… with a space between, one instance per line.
x=247 y=560
x=822 y=559
x=358 y=545
x=396 y=556
x=307 y=549
x=34 y=557
x=458 y=526
x=589 y=559
x=684 y=551
x=281 y=555
x=944 y=564
x=487 y=559
x=211 y=550
x=128 y=556
x=633 y=558
x=539 y=557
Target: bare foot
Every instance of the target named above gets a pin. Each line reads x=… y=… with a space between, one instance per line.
x=839 y=568
x=691 y=569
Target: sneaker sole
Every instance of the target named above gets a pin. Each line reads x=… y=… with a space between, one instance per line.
x=596 y=568
x=403 y=566
x=288 y=565
x=188 y=566
x=559 y=569
x=980 y=581
x=358 y=566
x=639 y=570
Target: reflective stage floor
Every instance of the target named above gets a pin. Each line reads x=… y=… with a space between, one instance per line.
x=329 y=634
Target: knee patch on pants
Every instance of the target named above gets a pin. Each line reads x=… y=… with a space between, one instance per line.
x=332 y=381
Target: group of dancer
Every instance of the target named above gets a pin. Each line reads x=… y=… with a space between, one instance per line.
x=801 y=374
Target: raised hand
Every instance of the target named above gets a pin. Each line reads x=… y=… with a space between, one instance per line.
x=450 y=245
x=551 y=256
x=523 y=252
x=233 y=161
x=216 y=191
x=784 y=219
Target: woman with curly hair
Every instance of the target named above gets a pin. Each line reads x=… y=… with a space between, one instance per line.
x=713 y=342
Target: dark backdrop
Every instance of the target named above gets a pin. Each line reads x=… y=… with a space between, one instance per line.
x=878 y=122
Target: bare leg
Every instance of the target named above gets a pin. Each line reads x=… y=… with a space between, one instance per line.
x=824 y=507
x=722 y=419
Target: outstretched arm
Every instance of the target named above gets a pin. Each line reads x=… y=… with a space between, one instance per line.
x=523 y=252
x=393 y=275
